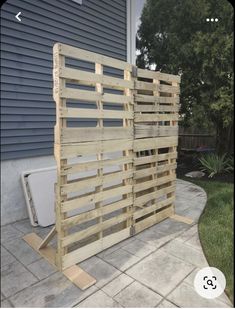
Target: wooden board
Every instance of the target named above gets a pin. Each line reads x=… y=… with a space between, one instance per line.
x=48 y=253
x=77 y=53
x=142 y=131
x=66 y=151
x=182 y=219
x=74 y=273
x=92 y=165
x=158 y=75
x=48 y=238
x=95 y=247
x=77 y=135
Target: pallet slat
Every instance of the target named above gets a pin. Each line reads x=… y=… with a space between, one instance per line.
x=152 y=99
x=75 y=237
x=155 y=143
x=152 y=183
x=150 y=221
x=153 y=170
x=142 y=131
x=93 y=96
x=95 y=213
x=85 y=252
x=80 y=202
x=92 y=165
x=77 y=53
x=158 y=75
x=145 y=211
x=77 y=135
x=155 y=117
x=93 y=181
x=90 y=79
x=154 y=158
x=139 y=85
x=139 y=201
x=93 y=113
x=156 y=108
x=78 y=149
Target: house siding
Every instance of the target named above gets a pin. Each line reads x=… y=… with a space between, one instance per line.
x=27 y=107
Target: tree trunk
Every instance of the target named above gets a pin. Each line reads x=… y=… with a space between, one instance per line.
x=224 y=139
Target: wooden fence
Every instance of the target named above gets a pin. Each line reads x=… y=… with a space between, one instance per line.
x=115 y=145
x=193 y=139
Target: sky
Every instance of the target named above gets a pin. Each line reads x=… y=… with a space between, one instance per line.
x=139 y=7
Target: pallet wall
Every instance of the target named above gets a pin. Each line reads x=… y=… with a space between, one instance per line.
x=115 y=147
x=156 y=106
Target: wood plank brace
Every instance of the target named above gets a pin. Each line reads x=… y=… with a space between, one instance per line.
x=74 y=273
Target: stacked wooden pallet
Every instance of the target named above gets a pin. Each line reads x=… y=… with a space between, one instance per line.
x=116 y=138
x=115 y=147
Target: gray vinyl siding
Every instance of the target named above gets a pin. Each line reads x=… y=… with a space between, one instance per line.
x=27 y=106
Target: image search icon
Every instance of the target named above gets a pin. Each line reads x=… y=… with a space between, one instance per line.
x=209 y=282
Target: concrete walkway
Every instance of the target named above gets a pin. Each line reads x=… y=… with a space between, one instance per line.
x=156 y=268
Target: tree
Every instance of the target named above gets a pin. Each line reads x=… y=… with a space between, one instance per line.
x=176 y=37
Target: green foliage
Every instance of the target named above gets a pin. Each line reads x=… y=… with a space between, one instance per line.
x=175 y=36
x=216 y=226
x=214 y=164
x=231 y=163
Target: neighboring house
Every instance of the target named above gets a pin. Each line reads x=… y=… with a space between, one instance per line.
x=28 y=109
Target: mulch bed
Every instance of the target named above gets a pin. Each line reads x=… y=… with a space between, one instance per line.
x=187 y=164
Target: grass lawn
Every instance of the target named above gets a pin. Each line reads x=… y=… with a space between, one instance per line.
x=216 y=228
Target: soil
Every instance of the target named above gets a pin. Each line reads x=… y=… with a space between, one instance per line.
x=189 y=164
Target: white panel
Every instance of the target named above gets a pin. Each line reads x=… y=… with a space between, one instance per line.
x=41 y=185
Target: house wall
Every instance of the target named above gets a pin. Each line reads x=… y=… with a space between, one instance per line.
x=13 y=206
x=28 y=109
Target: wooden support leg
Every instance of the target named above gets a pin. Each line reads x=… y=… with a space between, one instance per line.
x=48 y=238
x=74 y=273
x=182 y=219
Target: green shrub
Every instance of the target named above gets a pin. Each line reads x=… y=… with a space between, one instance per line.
x=231 y=163
x=214 y=164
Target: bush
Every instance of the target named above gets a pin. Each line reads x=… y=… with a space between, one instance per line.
x=214 y=164
x=231 y=163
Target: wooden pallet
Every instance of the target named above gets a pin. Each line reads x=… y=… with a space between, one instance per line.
x=116 y=135
x=90 y=222
x=155 y=147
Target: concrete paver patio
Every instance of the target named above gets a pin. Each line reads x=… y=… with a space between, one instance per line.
x=156 y=268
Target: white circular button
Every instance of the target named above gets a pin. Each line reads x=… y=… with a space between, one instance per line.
x=209 y=282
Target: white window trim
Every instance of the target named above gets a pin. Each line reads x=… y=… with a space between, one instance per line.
x=131 y=31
